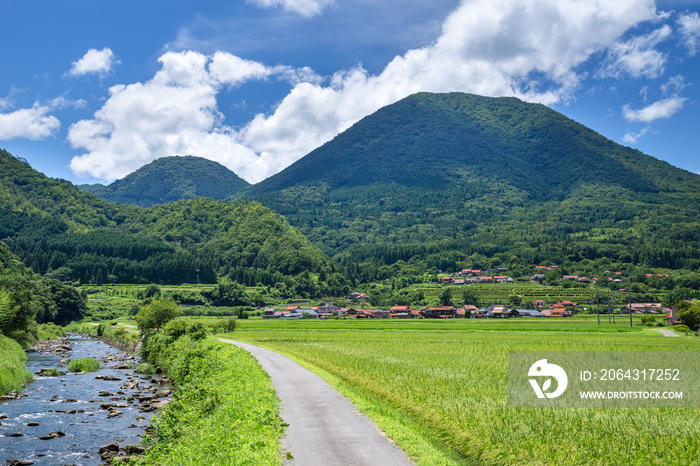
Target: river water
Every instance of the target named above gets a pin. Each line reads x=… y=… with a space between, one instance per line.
x=86 y=429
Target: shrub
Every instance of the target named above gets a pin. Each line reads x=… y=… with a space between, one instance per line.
x=53 y=372
x=50 y=331
x=197 y=331
x=648 y=320
x=145 y=368
x=84 y=365
x=680 y=328
x=155 y=315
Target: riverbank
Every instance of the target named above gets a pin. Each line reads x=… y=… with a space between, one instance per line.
x=66 y=417
x=13 y=374
x=224 y=411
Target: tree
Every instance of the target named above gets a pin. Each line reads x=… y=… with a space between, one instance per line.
x=689 y=314
x=446 y=297
x=155 y=315
x=470 y=297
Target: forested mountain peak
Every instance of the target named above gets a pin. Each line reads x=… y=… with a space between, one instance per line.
x=441 y=181
x=426 y=140
x=170 y=179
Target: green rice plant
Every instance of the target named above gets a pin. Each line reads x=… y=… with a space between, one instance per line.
x=451 y=379
x=84 y=365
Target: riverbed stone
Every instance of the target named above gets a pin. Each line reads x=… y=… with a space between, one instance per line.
x=134 y=450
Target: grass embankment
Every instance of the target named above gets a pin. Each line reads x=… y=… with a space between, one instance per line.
x=125 y=338
x=450 y=379
x=13 y=374
x=224 y=411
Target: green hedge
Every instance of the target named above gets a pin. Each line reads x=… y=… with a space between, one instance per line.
x=224 y=411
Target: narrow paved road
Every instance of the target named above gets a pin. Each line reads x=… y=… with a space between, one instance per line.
x=667 y=333
x=325 y=429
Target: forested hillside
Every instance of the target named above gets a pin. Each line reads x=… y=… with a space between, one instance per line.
x=516 y=184
x=171 y=179
x=73 y=236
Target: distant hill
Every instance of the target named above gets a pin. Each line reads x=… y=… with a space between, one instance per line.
x=55 y=228
x=171 y=179
x=515 y=183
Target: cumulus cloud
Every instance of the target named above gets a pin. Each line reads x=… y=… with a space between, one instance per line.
x=94 y=61
x=637 y=56
x=305 y=8
x=174 y=113
x=690 y=30
x=30 y=123
x=532 y=49
x=664 y=108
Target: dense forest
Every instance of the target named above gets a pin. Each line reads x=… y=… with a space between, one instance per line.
x=65 y=234
x=451 y=181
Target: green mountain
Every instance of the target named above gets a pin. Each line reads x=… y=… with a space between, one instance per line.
x=171 y=179
x=67 y=234
x=409 y=187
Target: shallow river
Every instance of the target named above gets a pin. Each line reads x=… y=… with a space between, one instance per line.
x=86 y=429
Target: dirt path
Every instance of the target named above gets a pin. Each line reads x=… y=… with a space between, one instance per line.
x=325 y=429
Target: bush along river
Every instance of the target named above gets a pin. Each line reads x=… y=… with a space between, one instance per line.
x=79 y=418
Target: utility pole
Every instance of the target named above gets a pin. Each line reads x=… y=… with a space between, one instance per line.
x=597 y=298
x=609 y=308
x=629 y=297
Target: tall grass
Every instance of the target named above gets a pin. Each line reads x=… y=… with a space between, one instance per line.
x=224 y=411
x=13 y=374
x=454 y=383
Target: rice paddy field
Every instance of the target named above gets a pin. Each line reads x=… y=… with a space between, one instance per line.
x=447 y=381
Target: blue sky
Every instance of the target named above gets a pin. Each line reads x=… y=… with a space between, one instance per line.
x=92 y=90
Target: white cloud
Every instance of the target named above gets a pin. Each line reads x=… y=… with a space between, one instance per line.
x=533 y=49
x=637 y=56
x=661 y=109
x=94 y=61
x=175 y=113
x=305 y=8
x=632 y=138
x=690 y=30
x=30 y=123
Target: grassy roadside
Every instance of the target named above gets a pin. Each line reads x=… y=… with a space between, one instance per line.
x=454 y=385
x=224 y=411
x=417 y=441
x=13 y=374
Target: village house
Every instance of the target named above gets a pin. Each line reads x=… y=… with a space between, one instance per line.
x=440 y=312
x=538 y=303
x=270 y=313
x=355 y=295
x=300 y=313
x=527 y=313
x=401 y=312
x=557 y=312
x=645 y=308
x=498 y=312
x=537 y=277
